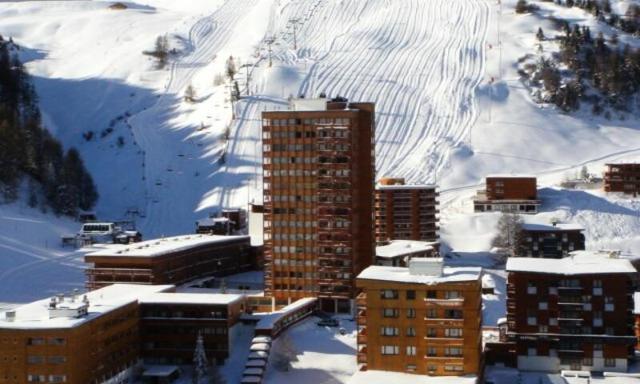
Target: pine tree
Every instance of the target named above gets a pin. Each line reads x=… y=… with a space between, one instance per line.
x=522 y=6
x=190 y=94
x=200 y=364
x=540 y=34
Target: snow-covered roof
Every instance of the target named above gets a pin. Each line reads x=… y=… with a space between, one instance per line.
x=402 y=275
x=577 y=263
x=636 y=303
x=210 y=221
x=191 y=298
x=159 y=247
x=319 y=104
x=159 y=370
x=397 y=248
x=386 y=377
x=36 y=315
x=406 y=186
x=267 y=322
x=557 y=227
x=511 y=176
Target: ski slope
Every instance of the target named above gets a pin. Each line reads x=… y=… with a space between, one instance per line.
x=443 y=74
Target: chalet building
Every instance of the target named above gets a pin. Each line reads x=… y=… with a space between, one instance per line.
x=405 y=212
x=574 y=313
x=171 y=260
x=622 y=177
x=170 y=323
x=424 y=319
x=550 y=241
x=73 y=339
x=508 y=193
x=318 y=166
x=397 y=253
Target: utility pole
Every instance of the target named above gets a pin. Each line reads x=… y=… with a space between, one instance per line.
x=294 y=23
x=270 y=42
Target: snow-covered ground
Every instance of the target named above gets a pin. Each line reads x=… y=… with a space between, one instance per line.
x=323 y=355
x=443 y=74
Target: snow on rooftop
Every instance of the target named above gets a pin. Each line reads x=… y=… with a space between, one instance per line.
x=309 y=104
x=191 y=298
x=511 y=176
x=159 y=247
x=550 y=227
x=402 y=275
x=578 y=263
x=385 y=377
x=398 y=248
x=36 y=315
x=209 y=221
x=487 y=281
x=267 y=321
x=406 y=186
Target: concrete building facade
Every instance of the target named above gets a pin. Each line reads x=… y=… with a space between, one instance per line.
x=318 y=170
x=424 y=319
x=405 y=212
x=508 y=193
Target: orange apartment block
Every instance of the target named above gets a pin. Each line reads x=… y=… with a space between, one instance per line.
x=424 y=319
x=170 y=260
x=73 y=339
x=622 y=177
x=405 y=212
x=318 y=167
x=508 y=193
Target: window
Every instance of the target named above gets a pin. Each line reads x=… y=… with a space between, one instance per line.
x=452 y=295
x=453 y=314
x=609 y=362
x=532 y=320
x=388 y=294
x=531 y=288
x=389 y=331
x=411 y=313
x=390 y=312
x=411 y=350
x=587 y=362
x=431 y=332
x=35 y=341
x=57 y=378
x=543 y=329
x=431 y=294
x=532 y=352
x=411 y=332
x=57 y=341
x=432 y=313
x=36 y=378
x=35 y=360
x=411 y=295
x=453 y=332
x=453 y=368
x=411 y=367
x=57 y=359
x=453 y=351
x=543 y=305
x=390 y=350
x=432 y=351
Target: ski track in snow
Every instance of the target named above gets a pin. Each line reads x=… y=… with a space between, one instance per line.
x=350 y=54
x=207 y=36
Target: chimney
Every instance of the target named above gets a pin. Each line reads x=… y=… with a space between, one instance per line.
x=429 y=266
x=52 y=303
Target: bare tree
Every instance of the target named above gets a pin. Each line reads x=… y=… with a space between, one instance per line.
x=231 y=68
x=509 y=233
x=284 y=353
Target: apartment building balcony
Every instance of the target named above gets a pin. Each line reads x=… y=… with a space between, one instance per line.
x=362 y=337
x=362 y=357
x=361 y=299
x=443 y=322
x=445 y=341
x=430 y=303
x=568 y=352
x=568 y=290
x=449 y=359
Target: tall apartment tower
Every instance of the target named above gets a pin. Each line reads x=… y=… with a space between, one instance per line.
x=405 y=212
x=318 y=169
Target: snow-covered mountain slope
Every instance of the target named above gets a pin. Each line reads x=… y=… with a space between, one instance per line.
x=443 y=74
